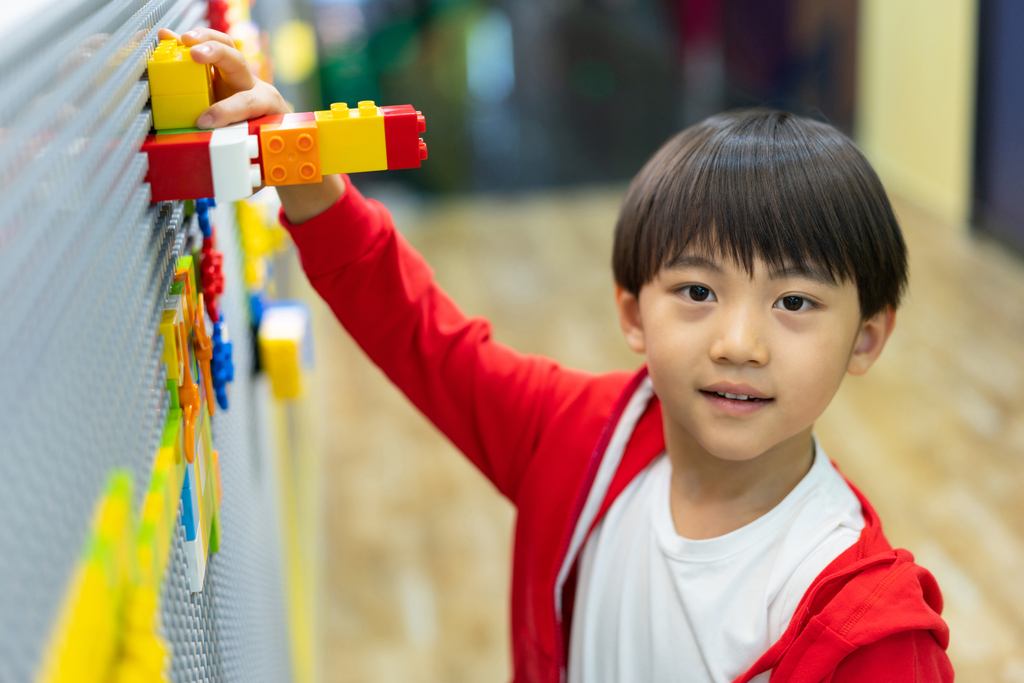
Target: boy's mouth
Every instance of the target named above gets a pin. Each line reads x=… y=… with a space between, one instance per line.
x=735 y=397
x=735 y=404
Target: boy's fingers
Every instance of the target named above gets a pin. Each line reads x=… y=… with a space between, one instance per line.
x=166 y=34
x=229 y=62
x=241 y=106
x=203 y=35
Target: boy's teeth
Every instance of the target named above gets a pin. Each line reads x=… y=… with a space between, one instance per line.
x=741 y=397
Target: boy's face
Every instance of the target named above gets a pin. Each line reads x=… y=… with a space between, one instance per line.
x=784 y=338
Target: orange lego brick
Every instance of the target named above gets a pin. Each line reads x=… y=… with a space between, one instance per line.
x=290 y=153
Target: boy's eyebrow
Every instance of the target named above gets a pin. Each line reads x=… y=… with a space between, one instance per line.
x=802 y=271
x=780 y=273
x=694 y=261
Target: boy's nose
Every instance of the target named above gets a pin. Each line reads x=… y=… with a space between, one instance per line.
x=740 y=342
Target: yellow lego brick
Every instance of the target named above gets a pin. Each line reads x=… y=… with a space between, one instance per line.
x=172 y=439
x=146 y=650
x=179 y=111
x=172 y=344
x=88 y=650
x=216 y=475
x=131 y=671
x=114 y=532
x=280 y=359
x=352 y=140
x=140 y=610
x=84 y=645
x=172 y=71
x=291 y=154
x=157 y=525
x=148 y=554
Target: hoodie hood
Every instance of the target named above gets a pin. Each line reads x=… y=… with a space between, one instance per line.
x=867 y=593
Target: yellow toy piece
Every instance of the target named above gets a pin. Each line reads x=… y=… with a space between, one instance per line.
x=171 y=326
x=284 y=341
x=181 y=89
x=85 y=643
x=280 y=359
x=291 y=153
x=261 y=236
x=352 y=140
x=185 y=273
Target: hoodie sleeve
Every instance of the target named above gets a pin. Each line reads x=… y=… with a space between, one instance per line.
x=490 y=401
x=907 y=657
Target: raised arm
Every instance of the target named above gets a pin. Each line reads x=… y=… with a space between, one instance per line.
x=492 y=402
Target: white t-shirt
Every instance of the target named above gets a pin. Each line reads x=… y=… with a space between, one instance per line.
x=654 y=606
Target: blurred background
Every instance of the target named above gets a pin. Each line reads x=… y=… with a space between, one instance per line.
x=539 y=112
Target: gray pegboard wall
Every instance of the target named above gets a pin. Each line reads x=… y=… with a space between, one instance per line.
x=85 y=263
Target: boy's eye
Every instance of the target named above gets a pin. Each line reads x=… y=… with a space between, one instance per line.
x=795 y=303
x=698 y=292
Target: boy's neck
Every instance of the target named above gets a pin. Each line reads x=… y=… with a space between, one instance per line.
x=710 y=496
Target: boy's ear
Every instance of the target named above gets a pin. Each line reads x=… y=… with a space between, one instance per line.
x=629 y=319
x=874 y=332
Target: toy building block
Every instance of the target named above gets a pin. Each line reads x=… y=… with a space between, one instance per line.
x=230 y=154
x=188 y=396
x=402 y=128
x=181 y=89
x=192 y=164
x=200 y=500
x=353 y=139
x=282 y=149
x=179 y=166
x=184 y=272
x=291 y=153
x=204 y=351
x=370 y=138
x=159 y=509
x=257 y=123
x=221 y=366
x=173 y=351
x=84 y=645
x=284 y=346
x=144 y=655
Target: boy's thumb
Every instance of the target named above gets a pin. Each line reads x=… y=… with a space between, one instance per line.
x=241 y=106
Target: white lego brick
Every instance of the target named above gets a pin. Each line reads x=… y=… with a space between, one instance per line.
x=229 y=161
x=195 y=555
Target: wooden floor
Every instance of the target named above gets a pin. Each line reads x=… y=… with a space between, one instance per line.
x=418 y=543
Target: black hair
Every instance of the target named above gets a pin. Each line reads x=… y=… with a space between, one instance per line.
x=765 y=184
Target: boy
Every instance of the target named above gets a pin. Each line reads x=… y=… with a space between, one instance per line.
x=681 y=522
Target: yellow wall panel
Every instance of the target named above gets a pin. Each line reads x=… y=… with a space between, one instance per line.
x=915 y=99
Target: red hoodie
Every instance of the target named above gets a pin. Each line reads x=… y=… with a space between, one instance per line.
x=562 y=444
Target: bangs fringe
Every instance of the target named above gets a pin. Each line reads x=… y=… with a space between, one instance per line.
x=763 y=185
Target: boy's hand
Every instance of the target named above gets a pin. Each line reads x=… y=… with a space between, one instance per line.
x=240 y=95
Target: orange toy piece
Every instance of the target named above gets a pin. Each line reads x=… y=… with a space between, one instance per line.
x=291 y=153
x=188 y=397
x=204 y=351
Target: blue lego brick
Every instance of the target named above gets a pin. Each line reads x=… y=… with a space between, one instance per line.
x=189 y=504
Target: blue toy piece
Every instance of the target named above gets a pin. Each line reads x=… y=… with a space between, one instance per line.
x=189 y=504
x=221 y=365
x=203 y=214
x=257 y=302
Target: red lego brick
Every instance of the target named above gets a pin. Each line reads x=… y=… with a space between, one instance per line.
x=216 y=15
x=254 y=127
x=179 y=166
x=402 y=126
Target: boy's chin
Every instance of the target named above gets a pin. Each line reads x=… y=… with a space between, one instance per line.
x=734 y=448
